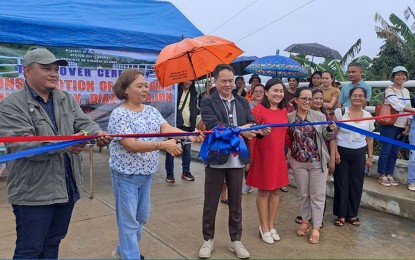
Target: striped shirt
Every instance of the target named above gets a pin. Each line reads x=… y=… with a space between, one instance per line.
x=399 y=99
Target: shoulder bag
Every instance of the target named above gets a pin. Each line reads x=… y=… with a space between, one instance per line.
x=383 y=109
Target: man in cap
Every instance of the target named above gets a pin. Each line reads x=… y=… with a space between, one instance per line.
x=43 y=188
x=255 y=80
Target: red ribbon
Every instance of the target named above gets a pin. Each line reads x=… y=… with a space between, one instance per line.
x=31 y=138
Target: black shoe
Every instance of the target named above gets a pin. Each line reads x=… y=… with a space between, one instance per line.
x=188 y=176
x=170 y=179
x=226 y=202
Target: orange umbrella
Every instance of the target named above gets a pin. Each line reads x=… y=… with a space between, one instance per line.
x=190 y=59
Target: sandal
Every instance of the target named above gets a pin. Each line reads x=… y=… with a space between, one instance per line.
x=339 y=222
x=299 y=220
x=314 y=236
x=303 y=229
x=354 y=221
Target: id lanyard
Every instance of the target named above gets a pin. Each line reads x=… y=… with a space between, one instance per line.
x=229 y=110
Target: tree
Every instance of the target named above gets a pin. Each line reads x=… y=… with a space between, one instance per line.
x=389 y=57
x=399 y=37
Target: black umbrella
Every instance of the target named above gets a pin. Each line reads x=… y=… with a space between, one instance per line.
x=314 y=49
x=240 y=63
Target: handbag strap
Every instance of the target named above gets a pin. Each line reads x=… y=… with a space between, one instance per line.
x=384 y=94
x=184 y=102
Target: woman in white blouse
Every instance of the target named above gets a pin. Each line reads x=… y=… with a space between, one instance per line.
x=400 y=100
x=134 y=161
x=351 y=159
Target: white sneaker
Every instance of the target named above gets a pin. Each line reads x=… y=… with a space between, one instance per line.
x=206 y=250
x=274 y=234
x=239 y=249
x=116 y=255
x=411 y=187
x=247 y=189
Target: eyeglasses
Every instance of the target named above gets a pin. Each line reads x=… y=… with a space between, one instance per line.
x=259 y=92
x=358 y=96
x=305 y=99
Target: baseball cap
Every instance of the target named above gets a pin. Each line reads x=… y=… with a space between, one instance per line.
x=41 y=56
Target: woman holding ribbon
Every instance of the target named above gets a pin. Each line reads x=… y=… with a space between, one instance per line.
x=133 y=161
x=265 y=174
x=351 y=159
x=398 y=97
x=257 y=97
x=308 y=160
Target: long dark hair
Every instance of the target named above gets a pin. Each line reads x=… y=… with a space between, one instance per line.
x=310 y=85
x=315 y=91
x=270 y=83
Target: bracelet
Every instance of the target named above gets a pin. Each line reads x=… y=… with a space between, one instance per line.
x=158 y=145
x=85 y=133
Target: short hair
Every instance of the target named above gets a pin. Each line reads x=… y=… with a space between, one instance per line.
x=124 y=80
x=355 y=64
x=259 y=85
x=316 y=90
x=240 y=77
x=299 y=90
x=221 y=67
x=296 y=79
x=268 y=85
x=356 y=88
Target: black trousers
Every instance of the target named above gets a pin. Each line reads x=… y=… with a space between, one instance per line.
x=348 y=181
x=214 y=179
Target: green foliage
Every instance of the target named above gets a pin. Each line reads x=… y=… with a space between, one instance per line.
x=389 y=57
x=399 y=47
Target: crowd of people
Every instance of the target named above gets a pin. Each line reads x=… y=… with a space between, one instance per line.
x=43 y=203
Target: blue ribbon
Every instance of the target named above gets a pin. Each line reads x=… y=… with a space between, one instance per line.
x=41 y=149
x=376 y=136
x=225 y=143
x=224 y=140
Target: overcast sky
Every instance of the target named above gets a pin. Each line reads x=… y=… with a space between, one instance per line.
x=334 y=23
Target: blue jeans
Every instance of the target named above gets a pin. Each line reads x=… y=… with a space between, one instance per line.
x=411 y=162
x=388 y=152
x=40 y=229
x=132 y=208
x=186 y=158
